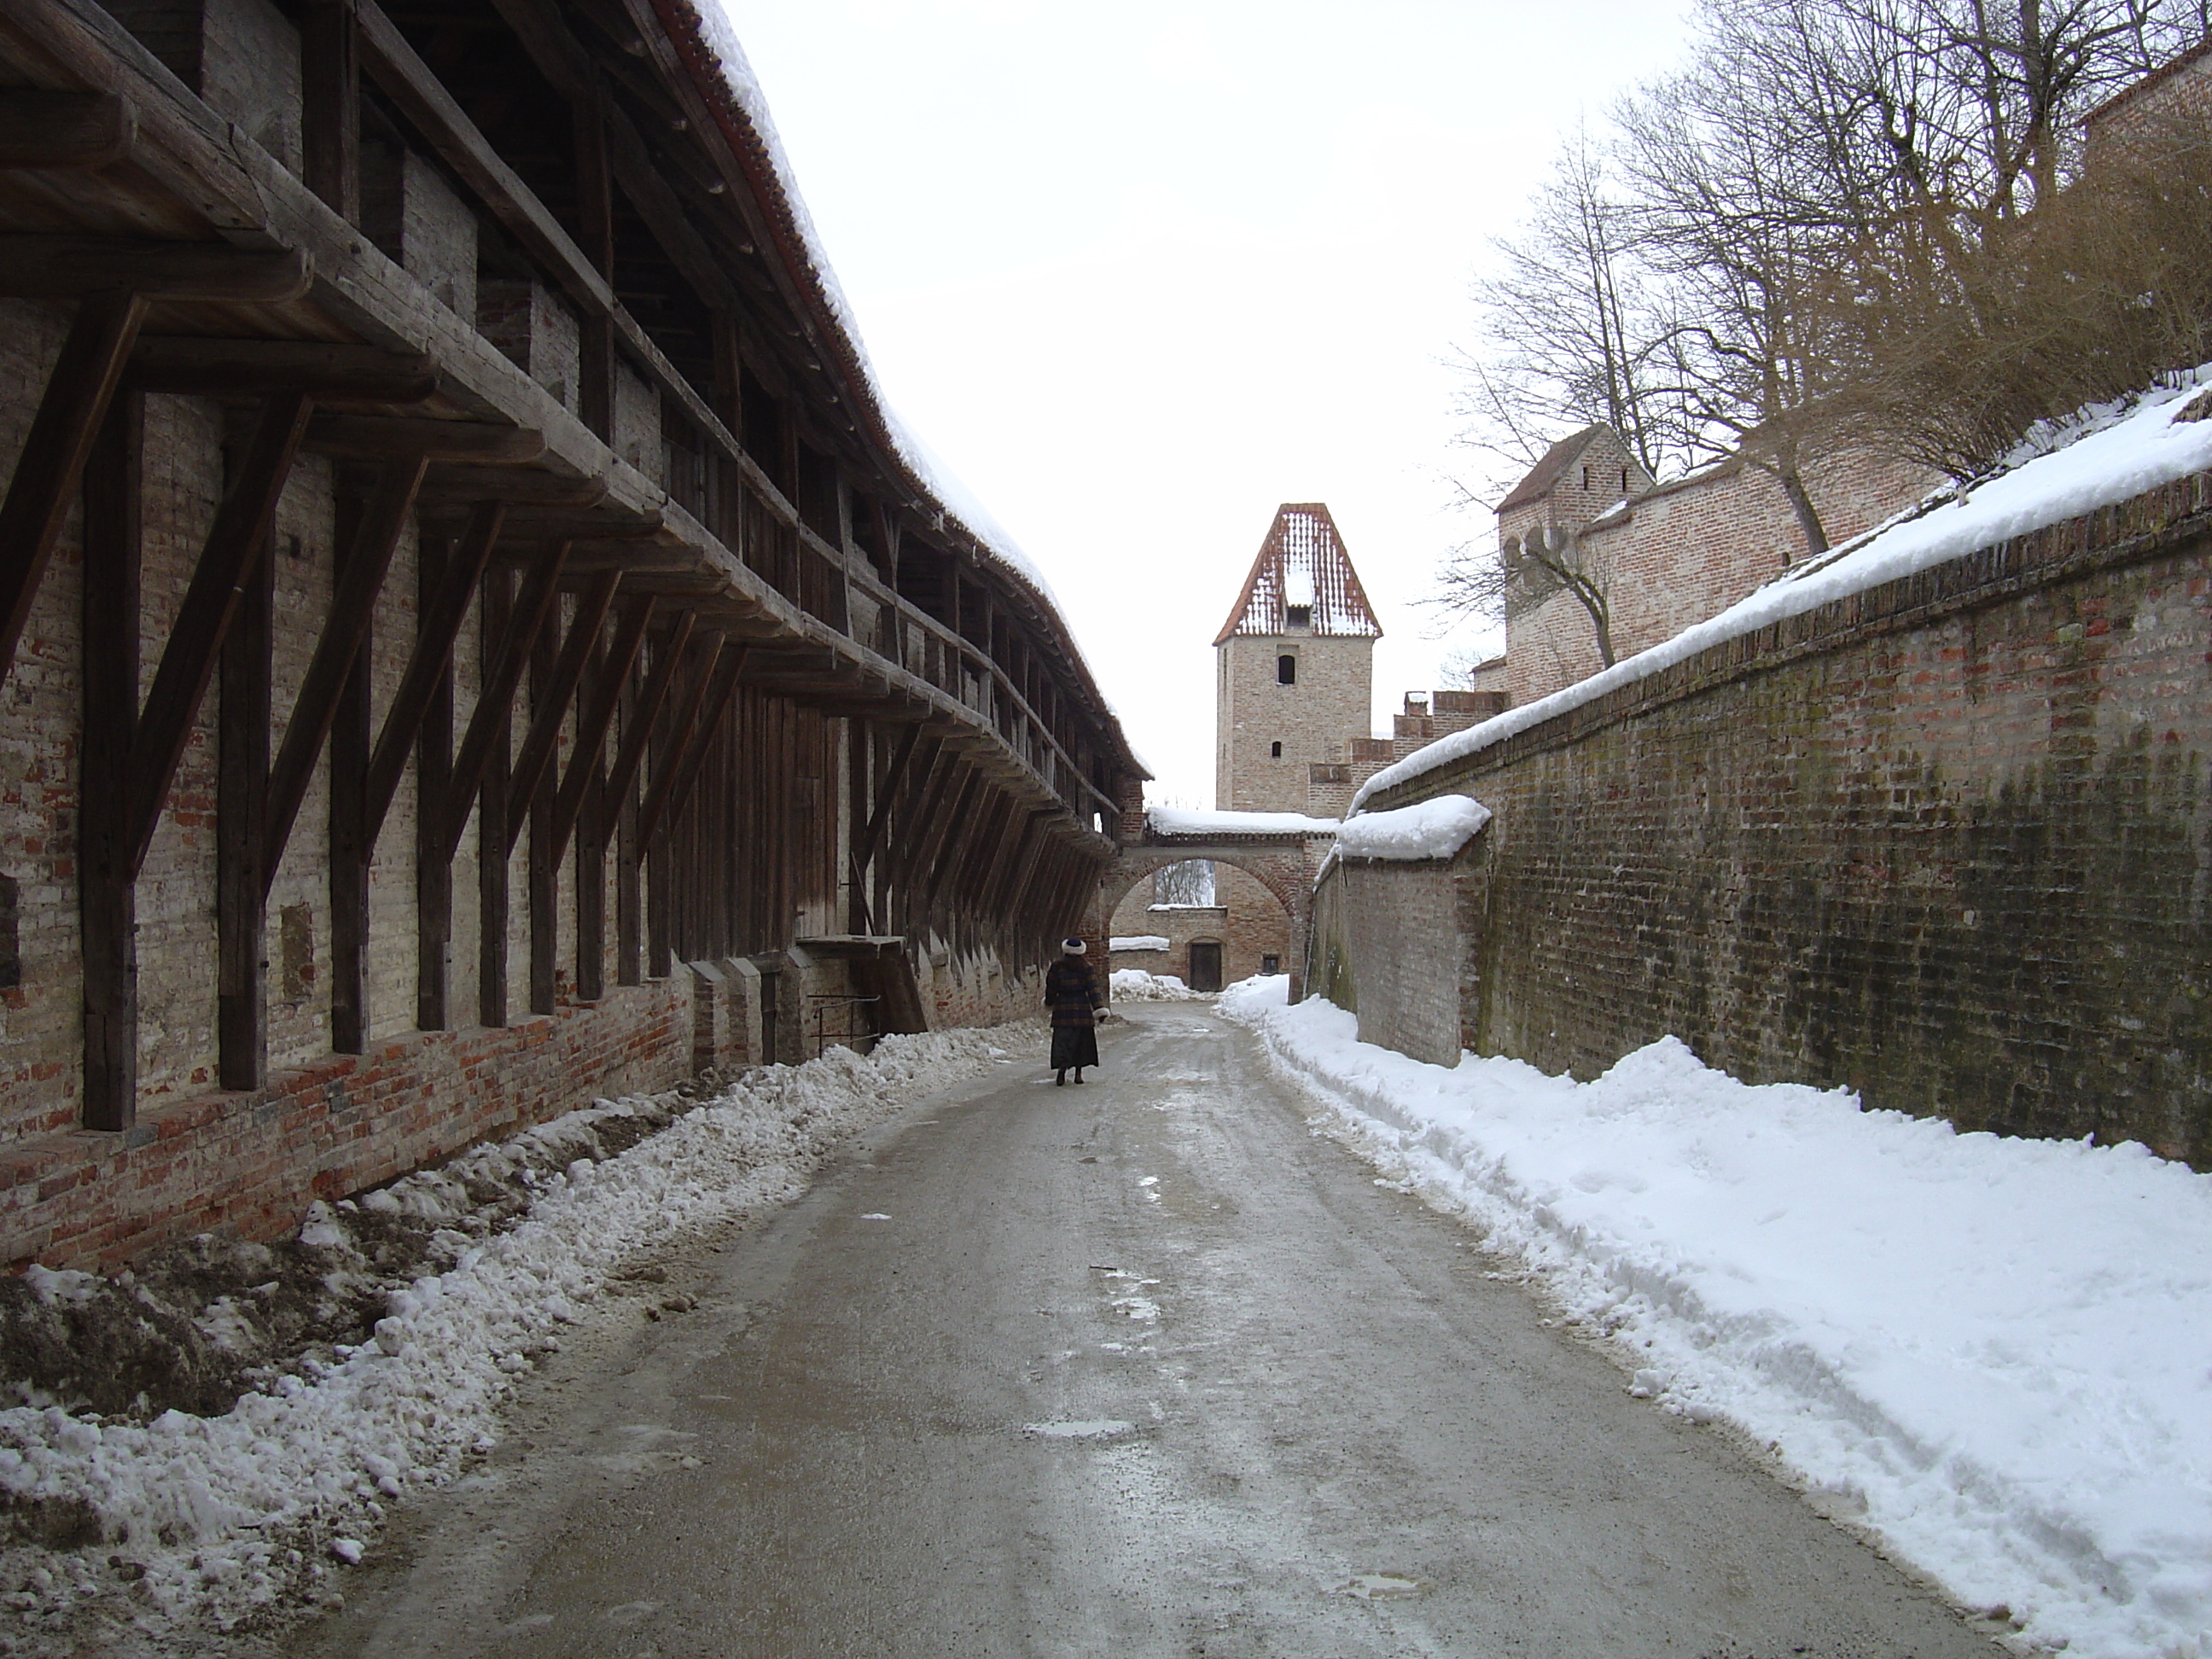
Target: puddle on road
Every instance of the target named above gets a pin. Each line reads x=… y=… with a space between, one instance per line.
x=1381 y=1586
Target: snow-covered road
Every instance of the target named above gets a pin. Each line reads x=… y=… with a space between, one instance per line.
x=1145 y=1367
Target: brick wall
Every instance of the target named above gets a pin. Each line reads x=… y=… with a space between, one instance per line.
x=1248 y=922
x=1387 y=947
x=1687 y=551
x=1312 y=720
x=1944 y=843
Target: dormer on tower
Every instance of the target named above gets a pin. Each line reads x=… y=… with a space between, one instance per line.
x=1295 y=680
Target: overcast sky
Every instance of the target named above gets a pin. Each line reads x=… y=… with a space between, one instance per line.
x=1138 y=273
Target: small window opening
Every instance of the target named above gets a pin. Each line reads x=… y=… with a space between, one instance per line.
x=1624 y=481
x=1271 y=964
x=1585 y=477
x=1275 y=751
x=11 y=947
x=1301 y=615
x=1287 y=670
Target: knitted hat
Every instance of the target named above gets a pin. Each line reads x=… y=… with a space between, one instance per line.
x=1073 y=947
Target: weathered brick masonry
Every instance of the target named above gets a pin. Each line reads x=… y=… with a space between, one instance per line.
x=1947 y=843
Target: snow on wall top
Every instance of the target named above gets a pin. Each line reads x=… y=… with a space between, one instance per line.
x=1303 y=563
x=1177 y=820
x=1434 y=829
x=703 y=36
x=1137 y=942
x=2100 y=456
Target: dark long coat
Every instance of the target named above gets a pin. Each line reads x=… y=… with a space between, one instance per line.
x=1074 y=994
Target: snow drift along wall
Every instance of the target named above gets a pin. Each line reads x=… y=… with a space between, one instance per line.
x=1947 y=840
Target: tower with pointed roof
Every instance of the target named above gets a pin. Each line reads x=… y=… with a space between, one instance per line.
x=1294 y=665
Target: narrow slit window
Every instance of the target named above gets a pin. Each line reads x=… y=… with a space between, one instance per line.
x=1287 y=670
x=1275 y=749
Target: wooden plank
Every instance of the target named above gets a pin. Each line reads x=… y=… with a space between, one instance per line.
x=486 y=745
x=589 y=821
x=587 y=759
x=77 y=267
x=951 y=846
x=241 y=817
x=360 y=579
x=645 y=715
x=351 y=845
x=235 y=542
x=434 y=757
x=665 y=800
x=330 y=76
x=549 y=691
x=64 y=132
x=206 y=367
x=551 y=694
x=381 y=437
x=436 y=628
x=107 y=901
x=500 y=638
x=52 y=458
x=873 y=836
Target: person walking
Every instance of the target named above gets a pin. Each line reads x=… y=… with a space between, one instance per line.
x=1074 y=994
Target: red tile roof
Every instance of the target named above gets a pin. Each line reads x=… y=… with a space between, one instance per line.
x=1303 y=562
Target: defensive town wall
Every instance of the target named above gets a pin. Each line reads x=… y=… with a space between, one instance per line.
x=1946 y=843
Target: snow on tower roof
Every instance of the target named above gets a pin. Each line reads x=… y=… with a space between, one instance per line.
x=1303 y=563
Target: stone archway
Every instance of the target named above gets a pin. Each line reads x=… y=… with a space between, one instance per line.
x=1276 y=860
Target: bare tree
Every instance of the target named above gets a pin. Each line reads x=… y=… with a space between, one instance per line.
x=1521 y=575
x=1188 y=883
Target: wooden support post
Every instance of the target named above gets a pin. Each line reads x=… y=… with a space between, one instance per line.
x=587 y=760
x=489 y=789
x=51 y=461
x=550 y=692
x=235 y=543
x=241 y=815
x=351 y=843
x=665 y=800
x=629 y=887
x=507 y=654
x=588 y=820
x=107 y=890
x=330 y=76
x=434 y=865
x=952 y=850
x=353 y=603
x=437 y=626
x=531 y=802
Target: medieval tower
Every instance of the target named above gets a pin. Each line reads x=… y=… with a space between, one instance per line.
x=1295 y=675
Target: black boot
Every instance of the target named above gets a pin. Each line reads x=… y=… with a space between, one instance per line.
x=1060 y=1078
x=1079 y=1074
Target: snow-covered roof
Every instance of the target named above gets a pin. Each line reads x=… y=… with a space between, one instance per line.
x=1179 y=821
x=1434 y=829
x=2102 y=455
x=706 y=43
x=1303 y=563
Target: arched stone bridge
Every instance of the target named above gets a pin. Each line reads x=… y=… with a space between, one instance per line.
x=1277 y=850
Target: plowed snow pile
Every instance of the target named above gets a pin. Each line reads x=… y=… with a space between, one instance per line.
x=1995 y=1353
x=119 y=1525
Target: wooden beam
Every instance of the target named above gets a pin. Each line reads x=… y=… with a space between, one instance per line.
x=351 y=845
x=639 y=727
x=359 y=579
x=434 y=757
x=76 y=267
x=877 y=820
x=664 y=800
x=235 y=542
x=107 y=893
x=507 y=655
x=551 y=694
x=330 y=77
x=378 y=438
x=52 y=458
x=207 y=367
x=64 y=132
x=585 y=758
x=502 y=638
x=549 y=691
x=436 y=628
x=241 y=819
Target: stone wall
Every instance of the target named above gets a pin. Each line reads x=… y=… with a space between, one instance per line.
x=1311 y=720
x=1947 y=843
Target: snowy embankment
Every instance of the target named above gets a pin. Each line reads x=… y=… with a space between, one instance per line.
x=149 y=1523
x=1995 y=1354
x=1135 y=985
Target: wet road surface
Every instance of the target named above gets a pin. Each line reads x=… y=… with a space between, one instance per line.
x=1141 y=1368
